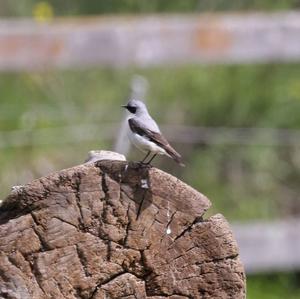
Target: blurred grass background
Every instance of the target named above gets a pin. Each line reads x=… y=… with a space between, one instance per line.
x=244 y=182
x=96 y=7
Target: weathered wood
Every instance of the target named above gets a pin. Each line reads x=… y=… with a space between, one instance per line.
x=115 y=230
x=150 y=40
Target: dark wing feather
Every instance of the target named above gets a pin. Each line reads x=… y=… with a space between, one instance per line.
x=155 y=137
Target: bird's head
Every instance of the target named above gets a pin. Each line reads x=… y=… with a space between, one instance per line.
x=135 y=107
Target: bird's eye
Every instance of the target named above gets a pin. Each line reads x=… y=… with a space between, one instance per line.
x=131 y=109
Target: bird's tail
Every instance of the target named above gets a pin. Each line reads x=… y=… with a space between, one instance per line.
x=175 y=156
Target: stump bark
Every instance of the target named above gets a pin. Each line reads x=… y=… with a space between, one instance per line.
x=113 y=229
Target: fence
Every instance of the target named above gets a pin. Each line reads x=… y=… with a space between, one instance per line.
x=149 y=40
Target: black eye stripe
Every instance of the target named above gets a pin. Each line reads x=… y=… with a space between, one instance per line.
x=131 y=109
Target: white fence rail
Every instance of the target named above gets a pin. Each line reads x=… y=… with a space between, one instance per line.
x=149 y=40
x=269 y=246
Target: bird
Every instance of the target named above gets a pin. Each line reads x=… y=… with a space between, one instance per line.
x=145 y=134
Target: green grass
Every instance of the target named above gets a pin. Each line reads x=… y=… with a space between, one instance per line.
x=96 y=7
x=273 y=286
x=230 y=96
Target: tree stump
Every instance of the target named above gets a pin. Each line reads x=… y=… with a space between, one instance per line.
x=114 y=229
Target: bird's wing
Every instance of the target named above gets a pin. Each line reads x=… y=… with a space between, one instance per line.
x=156 y=137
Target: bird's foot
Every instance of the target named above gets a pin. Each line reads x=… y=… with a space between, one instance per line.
x=143 y=164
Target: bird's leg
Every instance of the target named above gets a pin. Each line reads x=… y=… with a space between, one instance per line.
x=151 y=159
x=145 y=157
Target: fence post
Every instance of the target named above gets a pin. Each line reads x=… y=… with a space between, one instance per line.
x=77 y=234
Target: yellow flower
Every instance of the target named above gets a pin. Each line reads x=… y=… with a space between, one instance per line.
x=42 y=11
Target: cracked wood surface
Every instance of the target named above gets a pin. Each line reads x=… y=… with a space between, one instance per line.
x=100 y=231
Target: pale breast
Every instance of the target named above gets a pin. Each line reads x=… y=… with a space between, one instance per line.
x=145 y=145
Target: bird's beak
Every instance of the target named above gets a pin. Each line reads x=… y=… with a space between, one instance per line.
x=124 y=106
